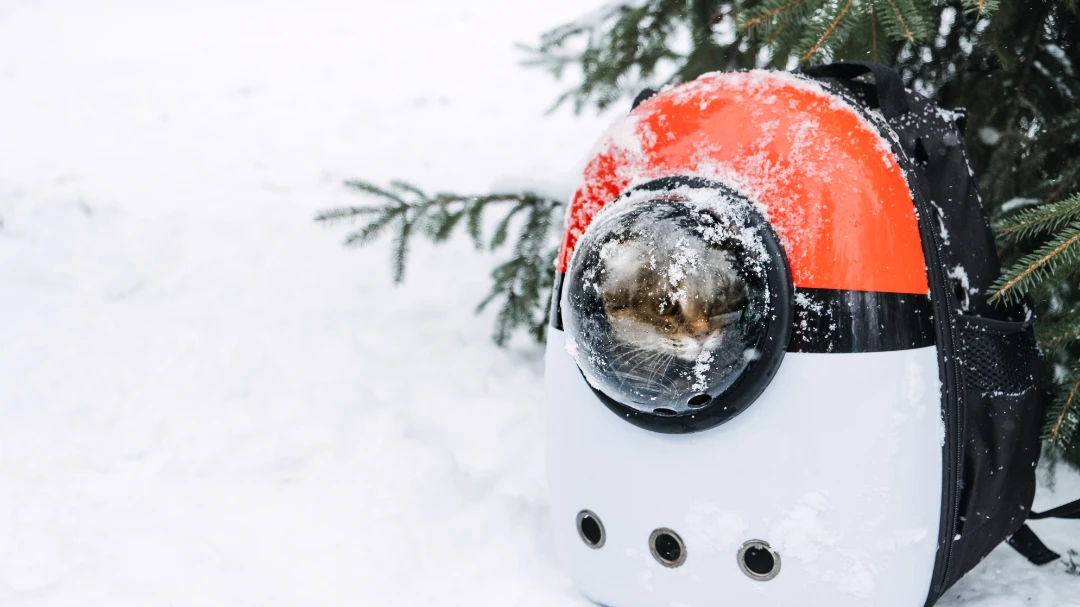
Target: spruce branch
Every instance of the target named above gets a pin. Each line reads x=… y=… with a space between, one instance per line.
x=901 y=27
x=907 y=33
x=766 y=14
x=1064 y=414
x=1038 y=220
x=621 y=41
x=522 y=283
x=775 y=35
x=828 y=32
x=981 y=7
x=1057 y=334
x=1035 y=268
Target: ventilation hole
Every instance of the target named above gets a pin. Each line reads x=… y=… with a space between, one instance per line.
x=758 y=561
x=920 y=152
x=664 y=411
x=590 y=529
x=667 y=547
x=961 y=120
x=699 y=401
x=961 y=293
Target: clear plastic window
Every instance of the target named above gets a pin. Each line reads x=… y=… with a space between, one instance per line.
x=666 y=302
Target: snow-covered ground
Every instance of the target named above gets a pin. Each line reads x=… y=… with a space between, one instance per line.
x=204 y=399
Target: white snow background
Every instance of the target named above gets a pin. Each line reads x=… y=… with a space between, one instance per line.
x=204 y=398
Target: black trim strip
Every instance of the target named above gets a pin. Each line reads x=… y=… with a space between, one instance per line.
x=841 y=322
x=835 y=321
x=556 y=302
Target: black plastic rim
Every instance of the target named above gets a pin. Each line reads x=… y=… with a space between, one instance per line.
x=759 y=561
x=591 y=529
x=667 y=548
x=760 y=372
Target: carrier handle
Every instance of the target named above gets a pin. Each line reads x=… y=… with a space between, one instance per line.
x=1030 y=546
x=892 y=98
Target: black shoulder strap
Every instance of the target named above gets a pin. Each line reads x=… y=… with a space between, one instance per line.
x=892 y=99
x=1030 y=546
x=642 y=97
x=1070 y=510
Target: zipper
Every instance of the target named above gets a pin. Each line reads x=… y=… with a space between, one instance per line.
x=942 y=305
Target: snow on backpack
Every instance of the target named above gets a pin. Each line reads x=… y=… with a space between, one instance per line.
x=773 y=376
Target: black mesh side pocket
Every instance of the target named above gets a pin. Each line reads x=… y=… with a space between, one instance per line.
x=997 y=356
x=1003 y=411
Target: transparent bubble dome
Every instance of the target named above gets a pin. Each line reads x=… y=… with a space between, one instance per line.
x=666 y=301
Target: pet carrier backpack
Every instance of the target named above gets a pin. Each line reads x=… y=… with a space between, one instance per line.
x=773 y=374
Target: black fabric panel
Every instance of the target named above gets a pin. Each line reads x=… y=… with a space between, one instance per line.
x=935 y=141
x=829 y=320
x=1001 y=442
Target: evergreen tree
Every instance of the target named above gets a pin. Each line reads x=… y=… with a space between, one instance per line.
x=1011 y=64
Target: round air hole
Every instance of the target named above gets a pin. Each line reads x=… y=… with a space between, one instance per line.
x=667 y=547
x=699 y=400
x=961 y=293
x=664 y=411
x=590 y=529
x=758 y=561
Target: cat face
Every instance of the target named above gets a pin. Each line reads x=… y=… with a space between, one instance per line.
x=678 y=306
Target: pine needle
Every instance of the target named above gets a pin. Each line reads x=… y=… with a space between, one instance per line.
x=345 y=213
x=873 y=29
x=370 y=188
x=769 y=15
x=502 y=229
x=775 y=35
x=908 y=34
x=372 y=230
x=828 y=32
x=981 y=7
